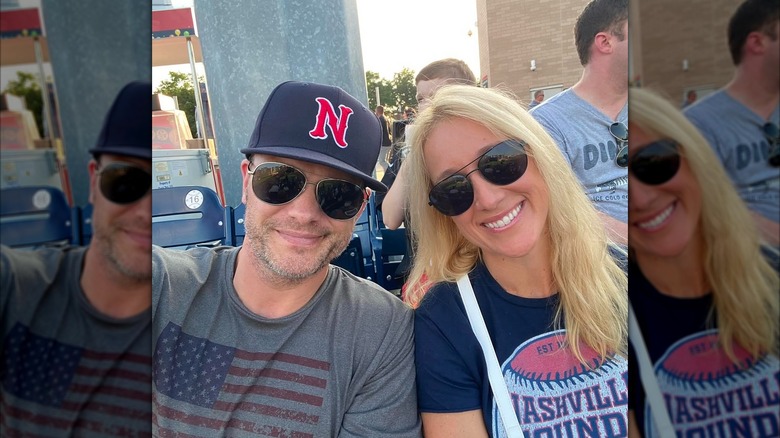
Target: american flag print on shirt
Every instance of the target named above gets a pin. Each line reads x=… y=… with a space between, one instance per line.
x=52 y=388
x=203 y=388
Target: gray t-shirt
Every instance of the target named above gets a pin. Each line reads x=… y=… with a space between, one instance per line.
x=582 y=134
x=343 y=365
x=67 y=369
x=736 y=133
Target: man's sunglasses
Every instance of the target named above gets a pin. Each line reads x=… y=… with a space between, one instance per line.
x=773 y=138
x=620 y=132
x=502 y=164
x=278 y=184
x=124 y=183
x=656 y=163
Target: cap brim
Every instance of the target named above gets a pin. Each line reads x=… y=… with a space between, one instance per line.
x=317 y=158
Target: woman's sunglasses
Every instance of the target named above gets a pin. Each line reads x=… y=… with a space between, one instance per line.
x=656 y=163
x=278 y=184
x=123 y=183
x=620 y=132
x=502 y=164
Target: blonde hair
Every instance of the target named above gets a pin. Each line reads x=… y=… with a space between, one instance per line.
x=590 y=283
x=744 y=284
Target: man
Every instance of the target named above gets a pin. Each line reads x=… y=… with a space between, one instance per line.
x=738 y=119
x=428 y=80
x=386 y=141
x=588 y=120
x=76 y=324
x=393 y=204
x=538 y=98
x=268 y=338
x=438 y=73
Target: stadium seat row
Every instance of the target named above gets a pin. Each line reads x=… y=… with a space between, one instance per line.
x=183 y=217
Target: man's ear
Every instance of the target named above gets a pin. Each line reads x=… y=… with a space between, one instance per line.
x=92 y=167
x=602 y=42
x=755 y=43
x=247 y=179
x=366 y=196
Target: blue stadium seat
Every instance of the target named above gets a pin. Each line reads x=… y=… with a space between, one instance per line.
x=352 y=258
x=363 y=229
x=187 y=216
x=82 y=225
x=237 y=229
x=34 y=216
x=389 y=250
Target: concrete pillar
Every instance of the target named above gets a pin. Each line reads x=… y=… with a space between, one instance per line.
x=95 y=48
x=250 y=46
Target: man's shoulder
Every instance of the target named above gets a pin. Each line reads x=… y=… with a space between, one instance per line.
x=555 y=109
x=190 y=265
x=704 y=109
x=37 y=265
x=364 y=292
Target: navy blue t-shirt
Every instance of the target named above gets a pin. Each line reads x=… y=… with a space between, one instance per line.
x=706 y=394
x=552 y=393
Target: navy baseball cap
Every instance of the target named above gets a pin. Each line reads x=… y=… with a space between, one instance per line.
x=320 y=124
x=128 y=123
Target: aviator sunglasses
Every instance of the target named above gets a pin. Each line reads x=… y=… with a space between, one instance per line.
x=656 y=163
x=502 y=164
x=123 y=183
x=773 y=138
x=278 y=184
x=620 y=132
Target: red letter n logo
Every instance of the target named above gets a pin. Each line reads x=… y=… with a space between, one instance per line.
x=338 y=125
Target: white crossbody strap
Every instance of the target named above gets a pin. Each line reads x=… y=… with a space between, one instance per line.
x=496 y=377
x=649 y=382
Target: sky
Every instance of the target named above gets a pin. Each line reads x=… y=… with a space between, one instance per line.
x=402 y=33
x=393 y=35
x=413 y=33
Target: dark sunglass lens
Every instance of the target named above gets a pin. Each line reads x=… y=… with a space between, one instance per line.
x=505 y=163
x=619 y=131
x=339 y=199
x=453 y=196
x=277 y=183
x=622 y=157
x=657 y=163
x=123 y=184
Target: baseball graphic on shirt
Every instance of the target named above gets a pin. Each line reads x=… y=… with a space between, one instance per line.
x=709 y=395
x=554 y=395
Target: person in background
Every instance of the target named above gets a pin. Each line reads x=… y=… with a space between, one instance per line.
x=393 y=203
x=588 y=120
x=538 y=98
x=690 y=98
x=741 y=120
x=268 y=338
x=696 y=258
x=496 y=205
x=386 y=140
x=76 y=321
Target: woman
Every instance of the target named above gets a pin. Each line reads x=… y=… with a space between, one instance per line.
x=507 y=210
x=704 y=295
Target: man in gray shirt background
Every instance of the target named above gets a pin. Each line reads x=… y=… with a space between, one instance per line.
x=740 y=120
x=589 y=120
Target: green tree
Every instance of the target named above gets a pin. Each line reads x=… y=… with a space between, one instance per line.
x=395 y=94
x=27 y=87
x=386 y=96
x=404 y=89
x=179 y=85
